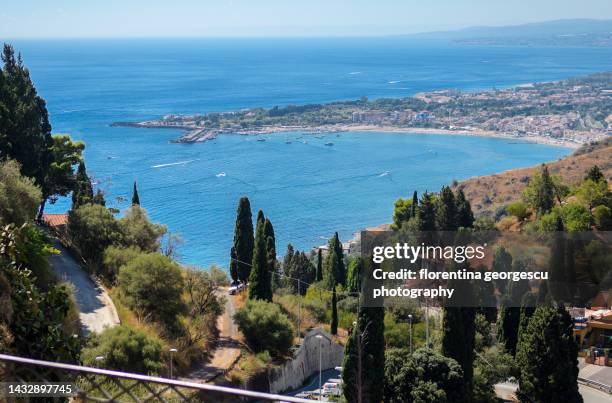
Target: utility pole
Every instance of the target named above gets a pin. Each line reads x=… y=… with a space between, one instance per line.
x=299 y=311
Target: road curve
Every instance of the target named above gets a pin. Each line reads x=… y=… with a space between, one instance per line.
x=96 y=308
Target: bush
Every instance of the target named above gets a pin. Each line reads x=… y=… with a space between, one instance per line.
x=124 y=349
x=603 y=217
x=265 y=327
x=576 y=217
x=137 y=231
x=116 y=257
x=92 y=229
x=152 y=284
x=519 y=210
x=19 y=195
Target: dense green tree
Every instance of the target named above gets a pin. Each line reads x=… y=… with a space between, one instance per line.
x=364 y=358
x=502 y=262
x=594 y=174
x=424 y=376
x=547 y=358
x=335 y=272
x=19 y=195
x=137 y=230
x=458 y=338
x=124 y=349
x=446 y=210
x=243 y=239
x=415 y=205
x=116 y=257
x=265 y=327
x=528 y=307
x=465 y=216
x=135 y=196
x=540 y=192
x=402 y=212
x=508 y=326
x=353 y=278
x=150 y=279
x=260 y=286
x=319 y=271
x=427 y=213
x=602 y=215
x=518 y=209
x=334 y=313
x=233 y=267
x=83 y=190
x=270 y=253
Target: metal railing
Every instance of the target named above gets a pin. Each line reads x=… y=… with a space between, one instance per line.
x=597 y=385
x=101 y=385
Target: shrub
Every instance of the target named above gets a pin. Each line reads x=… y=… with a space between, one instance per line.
x=92 y=228
x=152 y=284
x=519 y=210
x=124 y=349
x=138 y=231
x=576 y=217
x=114 y=258
x=603 y=217
x=265 y=327
x=19 y=195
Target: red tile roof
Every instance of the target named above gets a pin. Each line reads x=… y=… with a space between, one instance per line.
x=55 y=220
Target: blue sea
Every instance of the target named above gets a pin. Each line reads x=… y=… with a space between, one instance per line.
x=308 y=190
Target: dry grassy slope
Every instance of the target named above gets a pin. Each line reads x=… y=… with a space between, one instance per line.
x=488 y=193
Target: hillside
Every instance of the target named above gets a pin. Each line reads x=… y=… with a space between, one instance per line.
x=488 y=193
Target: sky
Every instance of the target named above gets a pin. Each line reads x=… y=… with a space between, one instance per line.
x=262 y=18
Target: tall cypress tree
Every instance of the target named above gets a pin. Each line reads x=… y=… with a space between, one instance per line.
x=243 y=239
x=465 y=216
x=135 y=197
x=354 y=273
x=427 y=213
x=83 y=191
x=364 y=358
x=259 y=284
x=270 y=259
x=334 y=313
x=319 y=271
x=446 y=210
x=557 y=265
x=415 y=205
x=233 y=264
x=335 y=272
x=548 y=358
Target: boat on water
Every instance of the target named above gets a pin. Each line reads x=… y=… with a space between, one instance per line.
x=220 y=175
x=329 y=144
x=261 y=139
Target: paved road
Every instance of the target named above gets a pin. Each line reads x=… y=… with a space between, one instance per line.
x=227 y=347
x=313 y=385
x=590 y=395
x=97 y=310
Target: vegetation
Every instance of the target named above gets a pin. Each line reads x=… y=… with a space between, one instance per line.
x=243 y=241
x=265 y=327
x=334 y=271
x=19 y=195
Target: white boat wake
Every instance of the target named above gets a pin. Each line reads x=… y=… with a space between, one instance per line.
x=172 y=164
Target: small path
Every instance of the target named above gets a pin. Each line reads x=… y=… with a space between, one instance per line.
x=227 y=346
x=97 y=310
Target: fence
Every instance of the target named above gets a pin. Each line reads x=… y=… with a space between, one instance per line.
x=100 y=385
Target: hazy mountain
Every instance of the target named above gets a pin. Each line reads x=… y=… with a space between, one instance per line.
x=576 y=32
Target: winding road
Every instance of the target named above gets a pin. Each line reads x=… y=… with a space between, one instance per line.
x=96 y=308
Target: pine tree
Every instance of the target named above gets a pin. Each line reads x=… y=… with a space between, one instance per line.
x=427 y=213
x=135 y=197
x=319 y=272
x=446 y=210
x=259 y=281
x=364 y=358
x=465 y=216
x=540 y=193
x=243 y=239
x=548 y=358
x=334 y=315
x=83 y=191
x=335 y=272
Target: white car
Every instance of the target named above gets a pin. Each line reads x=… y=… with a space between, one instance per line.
x=232 y=290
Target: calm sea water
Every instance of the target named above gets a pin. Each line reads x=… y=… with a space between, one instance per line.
x=307 y=190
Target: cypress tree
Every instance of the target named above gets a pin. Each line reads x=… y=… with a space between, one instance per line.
x=548 y=358
x=508 y=326
x=465 y=216
x=319 y=271
x=243 y=239
x=83 y=191
x=502 y=262
x=446 y=210
x=415 y=205
x=335 y=272
x=334 y=313
x=364 y=358
x=233 y=264
x=427 y=213
x=135 y=197
x=271 y=259
x=527 y=310
x=259 y=284
x=556 y=266
x=353 y=277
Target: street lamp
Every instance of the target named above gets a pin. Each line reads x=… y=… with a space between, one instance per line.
x=410 y=319
x=172 y=351
x=320 y=355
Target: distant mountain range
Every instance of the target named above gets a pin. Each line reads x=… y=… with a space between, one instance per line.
x=573 y=32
